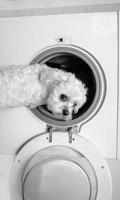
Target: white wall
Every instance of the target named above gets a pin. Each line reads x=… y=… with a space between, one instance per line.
x=12 y=8
x=23 y=4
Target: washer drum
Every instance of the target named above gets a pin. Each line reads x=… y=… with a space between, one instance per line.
x=86 y=68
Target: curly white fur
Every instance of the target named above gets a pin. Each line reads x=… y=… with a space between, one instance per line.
x=35 y=85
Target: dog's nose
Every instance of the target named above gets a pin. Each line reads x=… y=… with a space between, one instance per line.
x=65 y=112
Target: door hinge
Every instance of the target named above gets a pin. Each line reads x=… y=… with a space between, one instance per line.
x=71 y=131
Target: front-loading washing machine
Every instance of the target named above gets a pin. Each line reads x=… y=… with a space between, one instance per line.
x=64 y=165
x=52 y=158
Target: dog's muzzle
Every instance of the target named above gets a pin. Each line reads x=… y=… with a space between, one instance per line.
x=65 y=112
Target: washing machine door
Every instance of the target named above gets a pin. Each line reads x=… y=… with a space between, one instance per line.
x=61 y=169
x=59 y=173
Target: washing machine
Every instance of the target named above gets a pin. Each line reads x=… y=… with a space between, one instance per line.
x=44 y=157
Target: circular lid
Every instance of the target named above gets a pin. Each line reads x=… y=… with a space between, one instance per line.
x=59 y=172
x=56 y=179
x=42 y=167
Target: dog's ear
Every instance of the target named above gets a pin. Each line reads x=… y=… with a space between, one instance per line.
x=77 y=108
x=80 y=103
x=81 y=95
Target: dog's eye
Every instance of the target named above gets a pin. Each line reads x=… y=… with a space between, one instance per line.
x=63 y=97
x=75 y=104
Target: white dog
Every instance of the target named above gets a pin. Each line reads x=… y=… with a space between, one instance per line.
x=35 y=85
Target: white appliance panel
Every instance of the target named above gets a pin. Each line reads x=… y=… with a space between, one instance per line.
x=23 y=37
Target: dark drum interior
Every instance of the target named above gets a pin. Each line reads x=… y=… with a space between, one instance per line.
x=72 y=63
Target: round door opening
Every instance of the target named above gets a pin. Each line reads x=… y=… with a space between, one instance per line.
x=86 y=68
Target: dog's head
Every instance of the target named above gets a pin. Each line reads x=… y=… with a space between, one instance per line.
x=66 y=97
